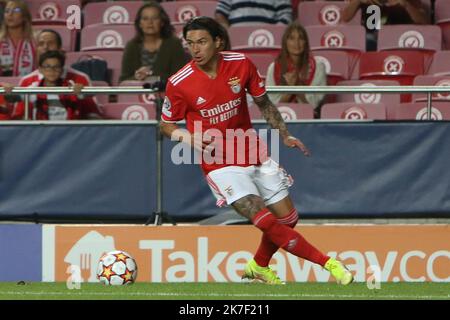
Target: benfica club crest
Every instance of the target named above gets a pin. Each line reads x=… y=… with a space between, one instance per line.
x=235 y=85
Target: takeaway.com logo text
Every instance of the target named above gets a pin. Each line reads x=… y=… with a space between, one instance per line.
x=171 y=265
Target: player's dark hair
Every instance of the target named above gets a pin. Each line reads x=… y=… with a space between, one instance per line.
x=204 y=23
x=57 y=35
x=167 y=30
x=53 y=54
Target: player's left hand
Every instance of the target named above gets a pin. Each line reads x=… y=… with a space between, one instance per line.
x=293 y=142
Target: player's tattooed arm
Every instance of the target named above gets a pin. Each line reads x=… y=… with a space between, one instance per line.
x=272 y=115
x=275 y=120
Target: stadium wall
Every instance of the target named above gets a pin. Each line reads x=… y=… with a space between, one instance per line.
x=91 y=172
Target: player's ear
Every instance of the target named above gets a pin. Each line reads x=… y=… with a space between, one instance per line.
x=218 y=42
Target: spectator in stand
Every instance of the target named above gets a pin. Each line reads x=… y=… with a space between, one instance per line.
x=52 y=106
x=295 y=66
x=50 y=40
x=240 y=12
x=392 y=12
x=155 y=50
x=17 y=48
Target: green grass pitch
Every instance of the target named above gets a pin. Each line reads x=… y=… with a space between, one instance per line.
x=225 y=291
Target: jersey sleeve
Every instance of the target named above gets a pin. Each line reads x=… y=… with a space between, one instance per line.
x=174 y=107
x=255 y=84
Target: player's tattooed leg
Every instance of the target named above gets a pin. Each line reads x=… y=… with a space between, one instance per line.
x=249 y=205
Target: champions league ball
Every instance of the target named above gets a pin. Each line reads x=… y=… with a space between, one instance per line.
x=117 y=268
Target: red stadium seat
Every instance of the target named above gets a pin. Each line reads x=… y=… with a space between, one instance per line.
x=353 y=111
x=69 y=37
x=440 y=66
x=368 y=98
x=442 y=18
x=289 y=111
x=337 y=64
x=181 y=11
x=261 y=61
x=113 y=58
x=324 y=13
x=402 y=66
x=135 y=98
x=129 y=111
x=264 y=38
x=427 y=80
x=340 y=37
x=426 y=39
x=117 y=12
x=346 y=38
x=418 y=111
x=106 y=37
x=50 y=11
x=102 y=99
x=11 y=80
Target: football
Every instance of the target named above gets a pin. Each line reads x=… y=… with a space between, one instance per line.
x=117 y=268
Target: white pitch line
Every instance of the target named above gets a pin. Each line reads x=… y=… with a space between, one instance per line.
x=231 y=295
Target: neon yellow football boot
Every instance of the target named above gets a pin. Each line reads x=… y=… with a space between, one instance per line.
x=263 y=274
x=339 y=271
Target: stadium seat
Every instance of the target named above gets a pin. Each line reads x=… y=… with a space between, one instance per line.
x=442 y=18
x=181 y=11
x=418 y=111
x=265 y=38
x=261 y=61
x=69 y=37
x=426 y=39
x=353 y=111
x=324 y=13
x=440 y=66
x=117 y=12
x=102 y=99
x=289 y=111
x=368 y=98
x=106 y=37
x=11 y=80
x=340 y=37
x=427 y=80
x=402 y=66
x=135 y=98
x=347 y=38
x=129 y=111
x=50 y=11
x=337 y=64
x=113 y=58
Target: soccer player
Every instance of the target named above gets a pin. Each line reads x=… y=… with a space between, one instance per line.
x=210 y=94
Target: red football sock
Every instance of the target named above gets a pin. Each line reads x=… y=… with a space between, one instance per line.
x=266 y=247
x=287 y=238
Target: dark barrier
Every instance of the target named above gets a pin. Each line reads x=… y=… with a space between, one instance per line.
x=107 y=172
x=71 y=172
x=356 y=170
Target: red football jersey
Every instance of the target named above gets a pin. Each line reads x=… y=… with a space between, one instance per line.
x=219 y=104
x=87 y=106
